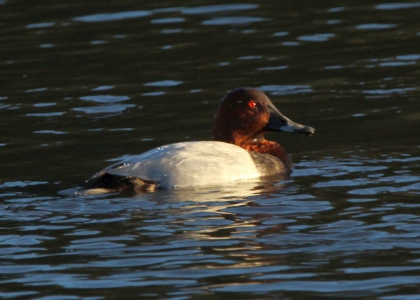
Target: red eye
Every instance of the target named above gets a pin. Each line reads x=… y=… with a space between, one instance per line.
x=252 y=104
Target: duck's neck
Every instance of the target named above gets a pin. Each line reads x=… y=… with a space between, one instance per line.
x=268 y=147
x=258 y=145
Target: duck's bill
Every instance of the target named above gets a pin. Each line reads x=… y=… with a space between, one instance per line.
x=279 y=122
x=294 y=127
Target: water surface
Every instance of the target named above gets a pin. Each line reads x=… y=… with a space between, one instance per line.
x=86 y=83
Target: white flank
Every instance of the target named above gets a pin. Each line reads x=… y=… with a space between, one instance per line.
x=191 y=164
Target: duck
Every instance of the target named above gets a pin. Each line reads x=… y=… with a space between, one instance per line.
x=238 y=151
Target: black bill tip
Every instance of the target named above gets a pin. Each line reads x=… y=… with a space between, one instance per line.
x=308 y=131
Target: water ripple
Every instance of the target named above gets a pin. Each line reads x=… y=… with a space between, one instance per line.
x=113 y=16
x=234 y=21
x=394 y=6
x=221 y=8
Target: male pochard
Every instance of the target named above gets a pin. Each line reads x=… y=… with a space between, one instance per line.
x=239 y=151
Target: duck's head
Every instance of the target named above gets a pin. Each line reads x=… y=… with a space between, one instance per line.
x=246 y=114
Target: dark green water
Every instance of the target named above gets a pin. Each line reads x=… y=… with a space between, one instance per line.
x=85 y=83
